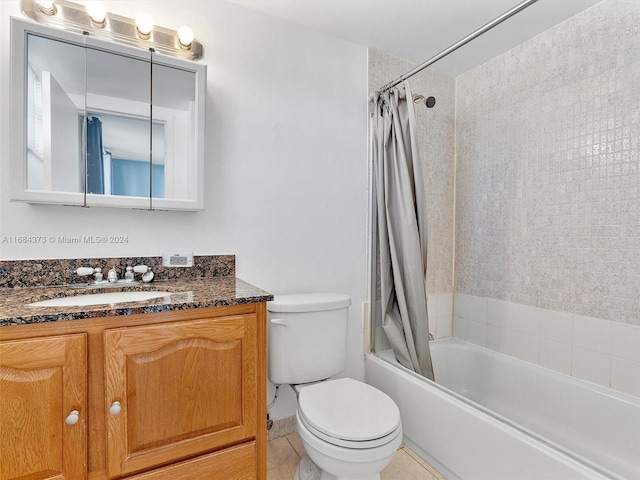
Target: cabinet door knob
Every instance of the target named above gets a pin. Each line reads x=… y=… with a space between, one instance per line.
x=72 y=418
x=115 y=408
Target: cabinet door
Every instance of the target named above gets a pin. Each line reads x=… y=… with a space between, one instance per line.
x=183 y=389
x=42 y=381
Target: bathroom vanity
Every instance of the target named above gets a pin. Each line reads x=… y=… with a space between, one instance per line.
x=168 y=388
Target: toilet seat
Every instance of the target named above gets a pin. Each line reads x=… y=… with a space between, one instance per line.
x=349 y=413
x=350 y=444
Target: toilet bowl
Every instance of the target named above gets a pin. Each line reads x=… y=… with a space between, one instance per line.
x=350 y=430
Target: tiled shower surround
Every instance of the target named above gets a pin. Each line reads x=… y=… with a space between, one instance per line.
x=596 y=350
x=547 y=203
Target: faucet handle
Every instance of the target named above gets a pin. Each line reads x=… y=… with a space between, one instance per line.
x=82 y=271
x=147 y=274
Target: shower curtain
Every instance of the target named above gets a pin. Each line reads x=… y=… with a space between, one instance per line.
x=402 y=228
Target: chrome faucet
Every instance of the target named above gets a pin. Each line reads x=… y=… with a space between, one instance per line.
x=112 y=275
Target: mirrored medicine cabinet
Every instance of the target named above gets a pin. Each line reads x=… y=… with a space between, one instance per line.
x=102 y=124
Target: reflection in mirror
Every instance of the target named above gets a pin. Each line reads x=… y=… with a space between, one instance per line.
x=123 y=165
x=55 y=95
x=118 y=125
x=174 y=106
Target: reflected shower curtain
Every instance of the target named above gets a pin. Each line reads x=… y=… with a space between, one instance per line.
x=95 y=162
x=402 y=228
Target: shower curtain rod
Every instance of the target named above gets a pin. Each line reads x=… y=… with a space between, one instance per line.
x=518 y=8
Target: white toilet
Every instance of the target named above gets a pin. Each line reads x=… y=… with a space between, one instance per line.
x=350 y=430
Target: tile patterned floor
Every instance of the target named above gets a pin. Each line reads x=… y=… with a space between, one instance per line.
x=284 y=453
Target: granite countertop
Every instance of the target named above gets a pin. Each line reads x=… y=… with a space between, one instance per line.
x=184 y=294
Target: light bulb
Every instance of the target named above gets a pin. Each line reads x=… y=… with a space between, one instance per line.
x=185 y=36
x=47 y=7
x=97 y=12
x=144 y=25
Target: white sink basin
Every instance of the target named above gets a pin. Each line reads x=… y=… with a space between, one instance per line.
x=99 y=299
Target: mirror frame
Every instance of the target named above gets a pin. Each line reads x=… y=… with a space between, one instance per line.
x=20 y=30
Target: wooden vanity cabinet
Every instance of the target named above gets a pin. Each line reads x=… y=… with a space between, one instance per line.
x=172 y=395
x=43 y=408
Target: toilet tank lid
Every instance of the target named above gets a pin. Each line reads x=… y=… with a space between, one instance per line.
x=308 y=302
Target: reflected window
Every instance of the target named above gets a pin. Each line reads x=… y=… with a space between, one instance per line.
x=118 y=156
x=35 y=150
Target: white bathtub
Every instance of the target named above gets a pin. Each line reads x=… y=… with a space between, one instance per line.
x=496 y=417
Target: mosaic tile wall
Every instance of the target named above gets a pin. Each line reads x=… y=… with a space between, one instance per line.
x=548 y=204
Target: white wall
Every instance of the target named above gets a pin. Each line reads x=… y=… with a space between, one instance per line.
x=285 y=168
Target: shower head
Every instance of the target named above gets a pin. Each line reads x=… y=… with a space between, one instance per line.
x=428 y=101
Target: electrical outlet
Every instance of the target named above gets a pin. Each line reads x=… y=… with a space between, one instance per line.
x=172 y=259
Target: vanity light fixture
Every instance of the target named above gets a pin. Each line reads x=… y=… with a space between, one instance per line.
x=94 y=20
x=97 y=12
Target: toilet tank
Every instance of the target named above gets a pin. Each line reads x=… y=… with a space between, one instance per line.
x=307 y=337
